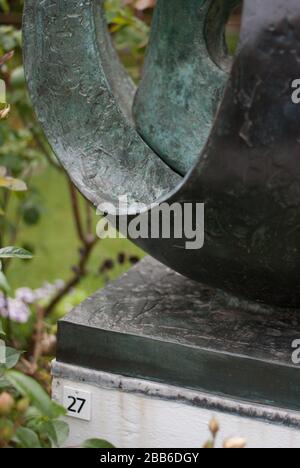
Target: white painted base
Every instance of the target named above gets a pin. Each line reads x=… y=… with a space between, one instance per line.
x=149 y=415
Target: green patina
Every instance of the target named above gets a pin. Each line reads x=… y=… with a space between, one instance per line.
x=184 y=78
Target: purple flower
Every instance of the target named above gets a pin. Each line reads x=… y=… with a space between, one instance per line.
x=42 y=293
x=2 y=301
x=48 y=290
x=17 y=310
x=26 y=295
x=59 y=284
x=3 y=306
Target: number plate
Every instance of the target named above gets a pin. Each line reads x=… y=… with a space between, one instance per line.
x=78 y=403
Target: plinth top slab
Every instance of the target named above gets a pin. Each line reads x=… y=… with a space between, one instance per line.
x=155 y=324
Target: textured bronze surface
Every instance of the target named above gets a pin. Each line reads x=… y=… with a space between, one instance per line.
x=182 y=83
x=247 y=171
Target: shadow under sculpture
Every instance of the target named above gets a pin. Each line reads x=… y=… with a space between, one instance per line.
x=199 y=129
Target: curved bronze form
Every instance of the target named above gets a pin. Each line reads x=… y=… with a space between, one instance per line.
x=245 y=157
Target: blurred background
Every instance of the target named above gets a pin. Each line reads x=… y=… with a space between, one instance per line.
x=50 y=219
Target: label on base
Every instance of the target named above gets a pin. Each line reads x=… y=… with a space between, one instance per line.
x=78 y=403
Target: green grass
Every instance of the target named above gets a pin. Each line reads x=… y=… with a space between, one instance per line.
x=232 y=40
x=56 y=245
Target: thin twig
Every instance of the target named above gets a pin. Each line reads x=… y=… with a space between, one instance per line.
x=38 y=336
x=89 y=218
x=6 y=57
x=88 y=241
x=76 y=212
x=79 y=273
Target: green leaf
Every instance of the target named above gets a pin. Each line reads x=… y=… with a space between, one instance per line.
x=2 y=332
x=46 y=430
x=62 y=432
x=7 y=427
x=33 y=415
x=4 y=5
x=17 y=77
x=56 y=431
x=12 y=357
x=28 y=387
x=4 y=284
x=57 y=410
x=15 y=252
x=27 y=438
x=97 y=444
x=4 y=383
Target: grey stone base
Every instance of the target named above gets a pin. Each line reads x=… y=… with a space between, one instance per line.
x=138 y=413
x=143 y=388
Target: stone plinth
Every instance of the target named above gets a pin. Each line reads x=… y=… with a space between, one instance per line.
x=159 y=354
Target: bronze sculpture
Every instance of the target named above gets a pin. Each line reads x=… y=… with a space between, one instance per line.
x=243 y=163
